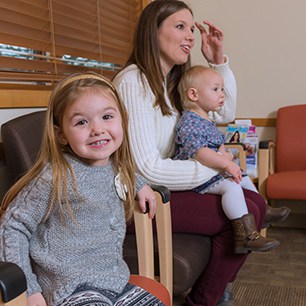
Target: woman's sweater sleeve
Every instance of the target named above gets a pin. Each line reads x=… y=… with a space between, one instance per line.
x=228 y=111
x=151 y=158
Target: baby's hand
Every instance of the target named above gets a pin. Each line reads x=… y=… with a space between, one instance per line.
x=249 y=150
x=36 y=299
x=146 y=196
x=234 y=170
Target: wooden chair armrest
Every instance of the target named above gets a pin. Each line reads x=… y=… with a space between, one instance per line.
x=266 y=163
x=241 y=152
x=144 y=239
x=164 y=237
x=13 y=285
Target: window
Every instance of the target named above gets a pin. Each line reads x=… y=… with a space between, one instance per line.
x=43 y=40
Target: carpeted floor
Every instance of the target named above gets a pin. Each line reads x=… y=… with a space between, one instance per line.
x=274 y=278
x=260 y=294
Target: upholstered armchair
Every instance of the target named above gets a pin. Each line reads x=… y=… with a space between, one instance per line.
x=282 y=165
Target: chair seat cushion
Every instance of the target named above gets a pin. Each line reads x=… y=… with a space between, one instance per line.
x=287 y=185
x=190 y=256
x=152 y=286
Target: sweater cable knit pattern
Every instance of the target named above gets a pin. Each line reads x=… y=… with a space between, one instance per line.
x=60 y=254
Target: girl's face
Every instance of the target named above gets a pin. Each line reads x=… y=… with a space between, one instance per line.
x=92 y=126
x=175 y=39
x=209 y=92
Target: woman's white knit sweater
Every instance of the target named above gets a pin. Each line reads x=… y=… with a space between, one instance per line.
x=152 y=134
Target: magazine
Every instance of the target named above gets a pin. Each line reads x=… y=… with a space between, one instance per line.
x=244 y=132
x=236 y=133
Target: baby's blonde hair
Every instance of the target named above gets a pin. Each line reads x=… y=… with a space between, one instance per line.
x=63 y=95
x=189 y=80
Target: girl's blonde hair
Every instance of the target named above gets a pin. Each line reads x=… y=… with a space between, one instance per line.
x=189 y=80
x=51 y=151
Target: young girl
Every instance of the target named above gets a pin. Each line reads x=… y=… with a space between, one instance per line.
x=64 y=223
x=197 y=137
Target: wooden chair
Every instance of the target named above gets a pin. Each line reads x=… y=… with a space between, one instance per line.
x=240 y=148
x=282 y=165
x=13 y=282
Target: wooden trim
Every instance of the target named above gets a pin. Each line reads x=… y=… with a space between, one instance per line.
x=20 y=98
x=264 y=122
x=6 y=86
x=259 y=122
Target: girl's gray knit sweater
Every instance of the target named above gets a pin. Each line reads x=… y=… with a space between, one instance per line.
x=59 y=254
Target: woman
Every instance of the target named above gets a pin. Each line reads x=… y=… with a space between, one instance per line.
x=148 y=87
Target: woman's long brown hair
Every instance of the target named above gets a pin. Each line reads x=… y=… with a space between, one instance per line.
x=145 y=52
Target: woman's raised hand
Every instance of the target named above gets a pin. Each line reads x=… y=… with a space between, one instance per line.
x=211 y=48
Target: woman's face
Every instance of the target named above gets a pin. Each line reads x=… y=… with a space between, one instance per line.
x=175 y=39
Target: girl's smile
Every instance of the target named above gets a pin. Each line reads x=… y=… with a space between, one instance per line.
x=92 y=126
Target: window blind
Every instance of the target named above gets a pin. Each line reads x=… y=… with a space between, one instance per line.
x=64 y=35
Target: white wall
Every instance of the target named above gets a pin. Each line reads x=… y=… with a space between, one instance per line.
x=265 y=40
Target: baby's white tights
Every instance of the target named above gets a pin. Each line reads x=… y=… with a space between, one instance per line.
x=233 y=201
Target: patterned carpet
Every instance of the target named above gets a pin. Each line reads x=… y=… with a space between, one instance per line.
x=275 y=278
x=254 y=294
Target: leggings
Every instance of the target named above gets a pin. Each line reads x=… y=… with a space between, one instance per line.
x=232 y=197
x=132 y=295
x=196 y=213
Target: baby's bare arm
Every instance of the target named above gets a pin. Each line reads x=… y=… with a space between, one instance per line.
x=216 y=160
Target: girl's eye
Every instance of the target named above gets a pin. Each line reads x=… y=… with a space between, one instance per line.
x=192 y=30
x=107 y=117
x=180 y=26
x=215 y=89
x=81 y=122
